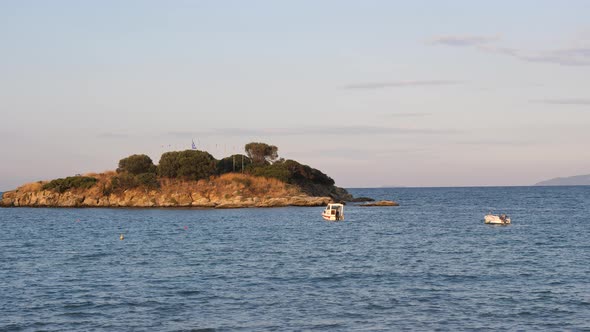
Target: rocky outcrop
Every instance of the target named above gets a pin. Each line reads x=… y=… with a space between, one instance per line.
x=227 y=191
x=317 y=190
x=132 y=199
x=362 y=199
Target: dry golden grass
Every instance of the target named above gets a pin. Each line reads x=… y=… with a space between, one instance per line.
x=220 y=186
x=229 y=184
x=31 y=187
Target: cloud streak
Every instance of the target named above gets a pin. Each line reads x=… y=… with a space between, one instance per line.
x=462 y=41
x=398 y=84
x=573 y=56
x=113 y=135
x=361 y=154
x=565 y=101
x=502 y=143
x=406 y=115
x=564 y=57
x=312 y=131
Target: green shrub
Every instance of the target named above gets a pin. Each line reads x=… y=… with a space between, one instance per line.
x=136 y=164
x=189 y=165
x=276 y=171
x=71 y=182
x=124 y=181
x=291 y=171
x=233 y=163
x=148 y=180
x=303 y=173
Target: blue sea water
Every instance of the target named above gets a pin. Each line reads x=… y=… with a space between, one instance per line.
x=429 y=264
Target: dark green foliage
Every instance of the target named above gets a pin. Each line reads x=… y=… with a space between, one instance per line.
x=189 y=165
x=136 y=164
x=148 y=180
x=305 y=173
x=293 y=172
x=62 y=185
x=168 y=166
x=277 y=171
x=124 y=181
x=233 y=164
x=261 y=153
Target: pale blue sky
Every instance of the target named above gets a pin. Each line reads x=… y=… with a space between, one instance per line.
x=415 y=93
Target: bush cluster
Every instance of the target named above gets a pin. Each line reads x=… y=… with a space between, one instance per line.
x=293 y=172
x=188 y=165
x=299 y=172
x=138 y=170
x=62 y=185
x=233 y=163
x=262 y=160
x=277 y=171
x=136 y=164
x=124 y=181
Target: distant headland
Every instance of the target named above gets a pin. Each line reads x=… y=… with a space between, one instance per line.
x=578 y=180
x=190 y=178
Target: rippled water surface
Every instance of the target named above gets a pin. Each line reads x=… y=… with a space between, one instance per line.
x=430 y=263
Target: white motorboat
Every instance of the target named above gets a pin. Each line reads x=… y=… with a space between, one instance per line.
x=497 y=220
x=334 y=212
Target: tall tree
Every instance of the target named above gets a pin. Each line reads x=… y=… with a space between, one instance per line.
x=261 y=153
x=234 y=163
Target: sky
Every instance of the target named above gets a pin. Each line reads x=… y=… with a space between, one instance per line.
x=373 y=93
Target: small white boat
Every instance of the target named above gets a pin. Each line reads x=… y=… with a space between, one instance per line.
x=334 y=212
x=497 y=220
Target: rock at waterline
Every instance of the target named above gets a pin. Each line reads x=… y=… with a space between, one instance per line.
x=362 y=199
x=381 y=203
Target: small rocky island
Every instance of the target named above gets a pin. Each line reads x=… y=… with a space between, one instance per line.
x=189 y=178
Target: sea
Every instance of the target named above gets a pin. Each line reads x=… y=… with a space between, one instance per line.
x=429 y=264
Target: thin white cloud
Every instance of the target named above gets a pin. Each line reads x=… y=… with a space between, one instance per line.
x=463 y=41
x=565 y=101
x=565 y=57
x=113 y=135
x=503 y=143
x=406 y=115
x=313 y=131
x=361 y=154
x=398 y=84
x=570 y=56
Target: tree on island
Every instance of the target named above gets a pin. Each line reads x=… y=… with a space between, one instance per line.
x=136 y=164
x=134 y=171
x=233 y=163
x=189 y=165
x=261 y=153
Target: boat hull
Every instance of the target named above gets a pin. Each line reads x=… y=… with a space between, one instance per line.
x=331 y=217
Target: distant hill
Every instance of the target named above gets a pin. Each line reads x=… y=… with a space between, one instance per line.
x=578 y=180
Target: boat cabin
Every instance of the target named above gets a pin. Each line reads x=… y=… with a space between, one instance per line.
x=334 y=212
